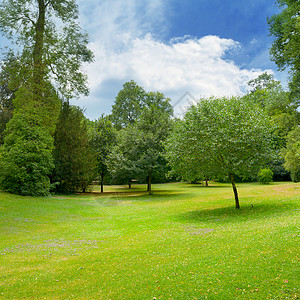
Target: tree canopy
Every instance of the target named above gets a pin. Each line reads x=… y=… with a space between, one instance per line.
x=285 y=50
x=226 y=136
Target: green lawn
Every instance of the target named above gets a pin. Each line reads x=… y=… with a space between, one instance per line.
x=184 y=242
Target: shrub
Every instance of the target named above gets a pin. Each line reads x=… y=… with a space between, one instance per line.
x=265 y=176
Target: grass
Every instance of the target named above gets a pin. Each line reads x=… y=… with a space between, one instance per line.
x=184 y=242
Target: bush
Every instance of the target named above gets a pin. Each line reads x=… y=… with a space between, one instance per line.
x=265 y=176
x=26 y=159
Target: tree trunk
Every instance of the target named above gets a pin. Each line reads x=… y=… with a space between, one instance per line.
x=129 y=184
x=149 y=183
x=102 y=180
x=39 y=68
x=236 y=196
x=206 y=181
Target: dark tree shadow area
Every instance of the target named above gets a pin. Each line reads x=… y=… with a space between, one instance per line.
x=231 y=214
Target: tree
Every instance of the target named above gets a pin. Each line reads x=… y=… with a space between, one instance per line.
x=26 y=160
x=280 y=107
x=103 y=137
x=291 y=154
x=6 y=93
x=50 y=56
x=74 y=160
x=130 y=102
x=185 y=162
x=139 y=151
x=227 y=136
x=128 y=105
x=285 y=50
x=52 y=49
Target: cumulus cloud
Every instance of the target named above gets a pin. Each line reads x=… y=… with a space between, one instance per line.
x=124 y=50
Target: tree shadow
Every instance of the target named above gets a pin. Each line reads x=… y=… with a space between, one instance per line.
x=231 y=214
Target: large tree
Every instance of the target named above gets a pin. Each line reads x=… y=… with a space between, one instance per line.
x=74 y=159
x=227 y=136
x=51 y=49
x=51 y=42
x=139 y=152
x=285 y=50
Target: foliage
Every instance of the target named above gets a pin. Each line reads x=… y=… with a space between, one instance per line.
x=131 y=101
x=73 y=157
x=227 y=136
x=26 y=157
x=285 y=51
x=6 y=93
x=50 y=49
x=291 y=154
x=128 y=105
x=270 y=96
x=265 y=176
x=138 y=153
x=102 y=139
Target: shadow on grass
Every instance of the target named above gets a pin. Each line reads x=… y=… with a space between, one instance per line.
x=231 y=214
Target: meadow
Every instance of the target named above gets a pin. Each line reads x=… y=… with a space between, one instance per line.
x=183 y=242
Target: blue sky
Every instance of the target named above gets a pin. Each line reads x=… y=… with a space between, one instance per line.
x=199 y=47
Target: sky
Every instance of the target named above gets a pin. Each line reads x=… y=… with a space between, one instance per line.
x=186 y=49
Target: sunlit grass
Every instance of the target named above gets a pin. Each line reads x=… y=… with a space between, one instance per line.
x=184 y=242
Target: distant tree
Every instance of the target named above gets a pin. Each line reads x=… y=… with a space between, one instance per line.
x=103 y=138
x=269 y=95
x=285 y=50
x=130 y=102
x=265 y=176
x=128 y=105
x=277 y=103
x=227 y=136
x=291 y=154
x=139 y=151
x=74 y=160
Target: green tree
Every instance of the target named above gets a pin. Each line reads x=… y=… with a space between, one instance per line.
x=128 y=105
x=103 y=137
x=139 y=152
x=74 y=159
x=185 y=162
x=291 y=154
x=265 y=176
x=285 y=50
x=52 y=49
x=6 y=93
x=277 y=103
x=26 y=160
x=270 y=96
x=130 y=102
x=227 y=136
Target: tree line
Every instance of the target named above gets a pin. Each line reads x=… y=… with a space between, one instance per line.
x=49 y=145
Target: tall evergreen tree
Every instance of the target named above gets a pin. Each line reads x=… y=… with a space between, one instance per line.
x=73 y=157
x=52 y=49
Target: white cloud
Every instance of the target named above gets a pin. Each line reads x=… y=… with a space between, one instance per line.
x=124 y=50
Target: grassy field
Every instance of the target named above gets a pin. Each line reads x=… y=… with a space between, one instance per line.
x=183 y=242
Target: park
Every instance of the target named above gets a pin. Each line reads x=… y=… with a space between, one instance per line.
x=186 y=241
x=142 y=203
